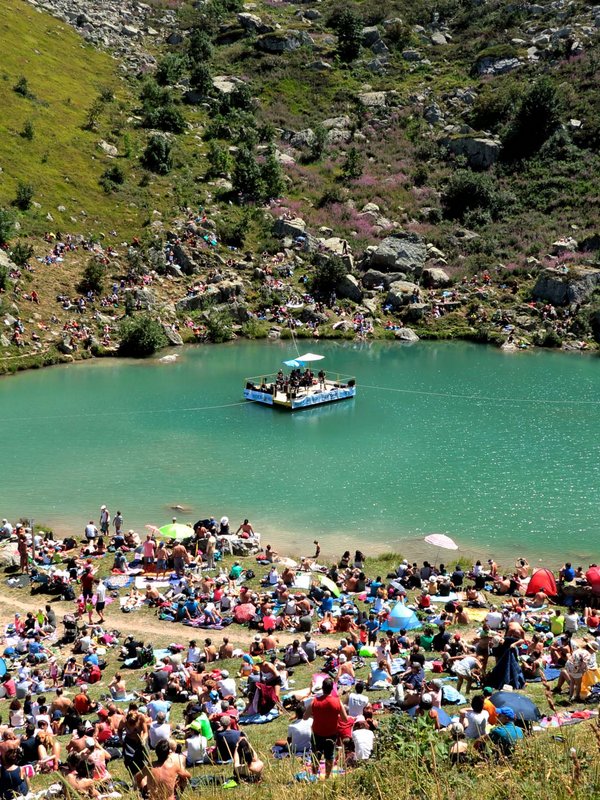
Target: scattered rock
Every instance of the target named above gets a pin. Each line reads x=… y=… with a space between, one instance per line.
x=173 y=336
x=373 y=279
x=279 y=42
x=562 y=288
x=400 y=293
x=496 y=66
x=289 y=227
x=349 y=288
x=568 y=245
x=107 y=148
x=401 y=252
x=434 y=278
x=480 y=152
x=373 y=99
x=438 y=38
x=406 y=335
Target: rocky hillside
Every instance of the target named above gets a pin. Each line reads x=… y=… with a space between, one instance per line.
x=406 y=169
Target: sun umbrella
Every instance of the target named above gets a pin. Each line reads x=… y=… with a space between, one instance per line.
x=329 y=584
x=441 y=540
x=309 y=357
x=292 y=363
x=524 y=708
x=175 y=530
x=244 y=612
x=401 y=618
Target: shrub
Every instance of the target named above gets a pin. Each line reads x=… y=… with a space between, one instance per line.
x=21 y=253
x=166 y=118
x=537 y=118
x=28 y=131
x=22 y=87
x=219 y=326
x=352 y=167
x=93 y=115
x=141 y=336
x=157 y=155
x=24 y=196
x=199 y=46
x=7 y=225
x=219 y=160
x=247 y=177
x=232 y=230
x=201 y=81
x=93 y=277
x=271 y=176
x=328 y=274
x=330 y=196
x=3 y=277
x=170 y=69
x=348 y=26
x=399 y=34
x=468 y=191
x=317 y=145
x=112 y=178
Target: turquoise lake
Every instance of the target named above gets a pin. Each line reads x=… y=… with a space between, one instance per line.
x=500 y=451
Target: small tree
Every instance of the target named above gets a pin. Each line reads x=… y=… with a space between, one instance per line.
x=24 y=196
x=348 y=26
x=167 y=118
x=219 y=160
x=170 y=69
x=21 y=253
x=28 y=131
x=272 y=176
x=93 y=115
x=219 y=326
x=247 y=177
x=468 y=191
x=7 y=225
x=328 y=275
x=93 y=277
x=199 y=47
x=352 y=167
x=157 y=155
x=201 y=81
x=318 y=143
x=112 y=178
x=141 y=336
x=22 y=87
x=3 y=277
x=537 y=118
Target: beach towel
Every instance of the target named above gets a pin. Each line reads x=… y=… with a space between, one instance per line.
x=141 y=583
x=438 y=598
x=477 y=614
x=453 y=697
x=397 y=666
x=116 y=582
x=259 y=719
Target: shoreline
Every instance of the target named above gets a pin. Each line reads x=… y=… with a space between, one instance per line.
x=333 y=544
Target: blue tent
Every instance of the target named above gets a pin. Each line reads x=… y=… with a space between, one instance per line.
x=401 y=618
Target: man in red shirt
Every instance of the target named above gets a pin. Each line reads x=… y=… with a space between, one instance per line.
x=327 y=712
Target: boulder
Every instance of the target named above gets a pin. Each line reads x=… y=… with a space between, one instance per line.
x=320 y=66
x=183 y=260
x=402 y=252
x=229 y=290
x=373 y=99
x=411 y=55
x=253 y=23
x=400 y=293
x=279 y=42
x=145 y=297
x=370 y=35
x=172 y=335
x=348 y=288
x=496 y=66
x=433 y=113
x=561 y=246
x=434 y=278
x=310 y=314
x=373 y=278
x=107 y=148
x=563 y=288
x=289 y=227
x=438 y=38
x=481 y=152
x=415 y=311
x=174 y=38
x=406 y=335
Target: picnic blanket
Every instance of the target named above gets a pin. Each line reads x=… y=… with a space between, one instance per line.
x=116 y=582
x=438 y=598
x=452 y=696
x=397 y=665
x=141 y=583
x=550 y=673
x=259 y=719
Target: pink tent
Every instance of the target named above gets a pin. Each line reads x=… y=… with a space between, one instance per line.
x=542 y=580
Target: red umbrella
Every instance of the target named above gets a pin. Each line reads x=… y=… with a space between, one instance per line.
x=244 y=612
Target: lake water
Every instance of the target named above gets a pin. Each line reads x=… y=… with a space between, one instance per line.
x=500 y=451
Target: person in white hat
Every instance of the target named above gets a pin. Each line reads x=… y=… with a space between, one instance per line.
x=104 y=519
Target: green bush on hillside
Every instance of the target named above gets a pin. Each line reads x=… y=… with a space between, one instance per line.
x=157 y=155
x=219 y=326
x=348 y=26
x=141 y=336
x=24 y=196
x=468 y=191
x=201 y=81
x=170 y=69
x=536 y=119
x=199 y=46
x=271 y=176
x=22 y=87
x=93 y=277
x=247 y=179
x=7 y=225
x=28 y=131
x=112 y=178
x=21 y=253
x=327 y=276
x=219 y=160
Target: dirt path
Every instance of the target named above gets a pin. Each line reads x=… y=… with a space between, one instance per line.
x=144 y=627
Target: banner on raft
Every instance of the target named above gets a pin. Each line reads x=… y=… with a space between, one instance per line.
x=324 y=397
x=258 y=397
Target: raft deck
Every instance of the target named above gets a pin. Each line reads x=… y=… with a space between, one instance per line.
x=264 y=389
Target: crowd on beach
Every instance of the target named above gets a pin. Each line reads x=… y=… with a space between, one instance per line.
x=407 y=645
